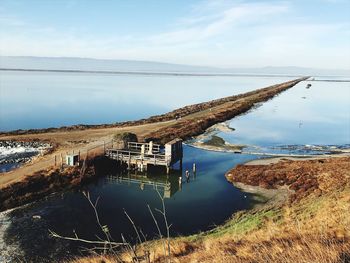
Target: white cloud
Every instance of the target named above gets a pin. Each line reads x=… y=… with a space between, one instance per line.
x=219 y=33
x=208 y=25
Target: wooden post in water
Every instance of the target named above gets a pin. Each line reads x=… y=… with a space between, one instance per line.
x=187 y=176
x=194 y=168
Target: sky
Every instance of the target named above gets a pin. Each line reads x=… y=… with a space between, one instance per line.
x=223 y=33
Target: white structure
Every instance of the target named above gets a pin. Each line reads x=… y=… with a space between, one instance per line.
x=72 y=159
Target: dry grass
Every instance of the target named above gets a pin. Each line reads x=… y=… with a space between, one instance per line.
x=316 y=230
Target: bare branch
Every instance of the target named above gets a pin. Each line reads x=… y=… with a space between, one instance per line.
x=134 y=226
x=76 y=238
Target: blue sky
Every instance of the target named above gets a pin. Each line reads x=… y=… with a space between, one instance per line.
x=225 y=33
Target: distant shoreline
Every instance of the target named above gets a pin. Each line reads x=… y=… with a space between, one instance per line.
x=172 y=73
x=150 y=73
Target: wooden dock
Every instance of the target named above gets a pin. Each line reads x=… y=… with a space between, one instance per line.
x=141 y=155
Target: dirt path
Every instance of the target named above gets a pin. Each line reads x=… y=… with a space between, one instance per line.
x=80 y=140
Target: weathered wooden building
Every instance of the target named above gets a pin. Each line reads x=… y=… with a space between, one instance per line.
x=141 y=155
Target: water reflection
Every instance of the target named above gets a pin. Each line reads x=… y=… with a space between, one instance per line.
x=316 y=116
x=166 y=185
x=47 y=99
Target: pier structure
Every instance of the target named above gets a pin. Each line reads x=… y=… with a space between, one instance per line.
x=141 y=155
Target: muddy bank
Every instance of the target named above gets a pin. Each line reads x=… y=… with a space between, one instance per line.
x=45 y=182
x=217 y=144
x=302 y=177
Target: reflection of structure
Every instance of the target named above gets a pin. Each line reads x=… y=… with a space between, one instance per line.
x=141 y=155
x=169 y=185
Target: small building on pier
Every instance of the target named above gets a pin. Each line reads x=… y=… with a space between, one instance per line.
x=141 y=155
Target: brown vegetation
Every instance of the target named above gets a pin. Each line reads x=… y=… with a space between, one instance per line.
x=302 y=177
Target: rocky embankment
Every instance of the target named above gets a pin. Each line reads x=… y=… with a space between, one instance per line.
x=21 y=151
x=302 y=177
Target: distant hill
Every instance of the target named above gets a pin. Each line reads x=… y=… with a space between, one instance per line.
x=90 y=64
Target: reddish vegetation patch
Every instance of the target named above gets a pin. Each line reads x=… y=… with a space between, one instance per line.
x=303 y=177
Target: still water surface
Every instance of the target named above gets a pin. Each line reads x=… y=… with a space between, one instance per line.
x=200 y=204
x=297 y=118
x=208 y=199
x=51 y=99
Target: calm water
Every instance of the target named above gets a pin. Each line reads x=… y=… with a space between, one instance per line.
x=205 y=201
x=298 y=117
x=319 y=115
x=48 y=99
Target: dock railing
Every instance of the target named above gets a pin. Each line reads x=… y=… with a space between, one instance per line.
x=133 y=156
x=137 y=146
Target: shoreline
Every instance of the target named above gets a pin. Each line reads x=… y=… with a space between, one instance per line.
x=199 y=142
x=262 y=197
x=151 y=73
x=274 y=160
